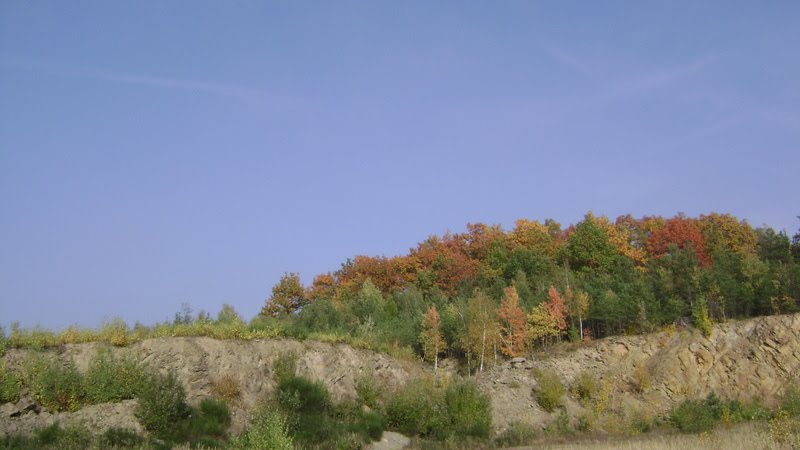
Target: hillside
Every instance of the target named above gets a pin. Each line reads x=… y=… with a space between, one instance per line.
x=639 y=374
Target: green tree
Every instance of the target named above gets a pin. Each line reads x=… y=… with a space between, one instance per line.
x=588 y=247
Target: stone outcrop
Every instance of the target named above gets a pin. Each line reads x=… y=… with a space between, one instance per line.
x=750 y=359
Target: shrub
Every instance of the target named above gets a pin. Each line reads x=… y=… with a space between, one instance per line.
x=700 y=317
x=115 y=333
x=162 y=404
x=267 y=431
x=58 y=386
x=584 y=386
x=226 y=388
x=9 y=385
x=111 y=379
x=120 y=438
x=207 y=425
x=285 y=366
x=549 y=390
x=516 y=435
x=300 y=395
x=69 y=438
x=469 y=410
x=791 y=399
x=369 y=391
x=418 y=408
x=696 y=416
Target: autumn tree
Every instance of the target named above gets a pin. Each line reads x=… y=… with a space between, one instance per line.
x=541 y=324
x=577 y=304
x=513 y=324
x=431 y=337
x=482 y=329
x=287 y=296
x=725 y=232
x=555 y=306
x=680 y=232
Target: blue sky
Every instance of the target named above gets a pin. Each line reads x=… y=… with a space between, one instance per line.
x=154 y=153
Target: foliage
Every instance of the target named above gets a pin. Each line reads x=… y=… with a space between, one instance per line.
x=285 y=366
x=431 y=336
x=267 y=431
x=120 y=438
x=226 y=388
x=418 y=408
x=790 y=401
x=162 y=404
x=10 y=384
x=288 y=295
x=549 y=390
x=110 y=379
x=421 y=408
x=696 y=416
x=369 y=391
x=700 y=318
x=514 y=328
x=58 y=386
x=584 y=386
x=469 y=410
x=68 y=438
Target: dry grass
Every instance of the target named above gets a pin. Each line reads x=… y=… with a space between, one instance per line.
x=750 y=436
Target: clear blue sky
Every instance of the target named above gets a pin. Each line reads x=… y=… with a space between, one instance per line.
x=159 y=152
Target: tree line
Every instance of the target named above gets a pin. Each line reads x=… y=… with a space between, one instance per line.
x=487 y=292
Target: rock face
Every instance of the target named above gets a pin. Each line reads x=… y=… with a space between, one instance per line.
x=751 y=359
x=199 y=362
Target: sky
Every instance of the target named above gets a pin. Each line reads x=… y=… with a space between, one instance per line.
x=154 y=153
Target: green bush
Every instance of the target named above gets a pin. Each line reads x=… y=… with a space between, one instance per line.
x=268 y=431
x=162 y=404
x=469 y=410
x=58 y=386
x=69 y=438
x=696 y=416
x=9 y=385
x=285 y=366
x=111 y=379
x=300 y=395
x=369 y=391
x=120 y=438
x=418 y=408
x=549 y=390
x=211 y=418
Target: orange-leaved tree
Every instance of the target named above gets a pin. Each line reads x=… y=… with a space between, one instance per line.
x=513 y=326
x=287 y=296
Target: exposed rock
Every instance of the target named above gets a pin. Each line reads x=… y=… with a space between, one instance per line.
x=745 y=360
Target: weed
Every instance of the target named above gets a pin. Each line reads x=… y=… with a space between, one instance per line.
x=58 y=386
x=549 y=390
x=10 y=384
x=226 y=388
x=267 y=431
x=285 y=366
x=111 y=379
x=584 y=386
x=369 y=391
x=162 y=404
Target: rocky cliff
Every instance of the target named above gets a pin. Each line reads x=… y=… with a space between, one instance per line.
x=751 y=359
